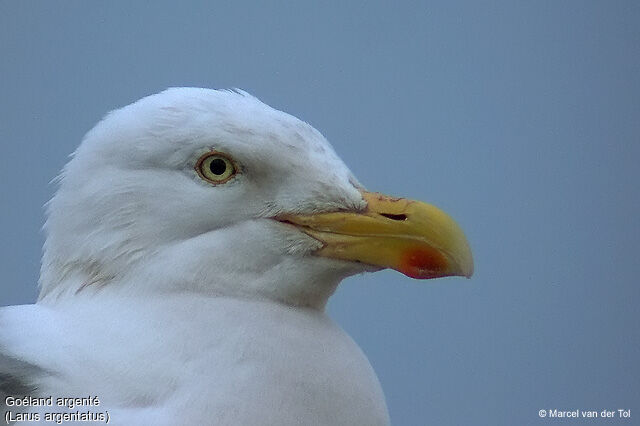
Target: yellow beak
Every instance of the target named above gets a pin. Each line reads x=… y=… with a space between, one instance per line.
x=412 y=237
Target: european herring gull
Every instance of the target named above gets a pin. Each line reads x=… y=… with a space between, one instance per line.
x=191 y=247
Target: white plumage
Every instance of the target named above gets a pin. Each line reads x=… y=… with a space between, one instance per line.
x=179 y=302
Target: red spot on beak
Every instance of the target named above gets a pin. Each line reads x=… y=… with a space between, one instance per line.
x=423 y=263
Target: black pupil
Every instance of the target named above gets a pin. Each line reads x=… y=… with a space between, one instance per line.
x=218 y=166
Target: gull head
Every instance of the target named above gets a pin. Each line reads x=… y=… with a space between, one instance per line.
x=215 y=192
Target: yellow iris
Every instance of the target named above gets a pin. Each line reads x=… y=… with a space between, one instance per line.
x=215 y=168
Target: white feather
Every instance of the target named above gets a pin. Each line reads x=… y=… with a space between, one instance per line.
x=180 y=302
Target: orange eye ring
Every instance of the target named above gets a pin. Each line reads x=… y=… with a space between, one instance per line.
x=216 y=168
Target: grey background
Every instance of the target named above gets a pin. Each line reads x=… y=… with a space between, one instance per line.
x=521 y=119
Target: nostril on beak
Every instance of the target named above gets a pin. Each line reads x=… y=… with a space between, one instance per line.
x=400 y=217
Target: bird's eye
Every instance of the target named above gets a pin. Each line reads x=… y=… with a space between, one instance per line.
x=215 y=168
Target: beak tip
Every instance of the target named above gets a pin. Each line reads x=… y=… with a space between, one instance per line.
x=468 y=270
x=465 y=266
